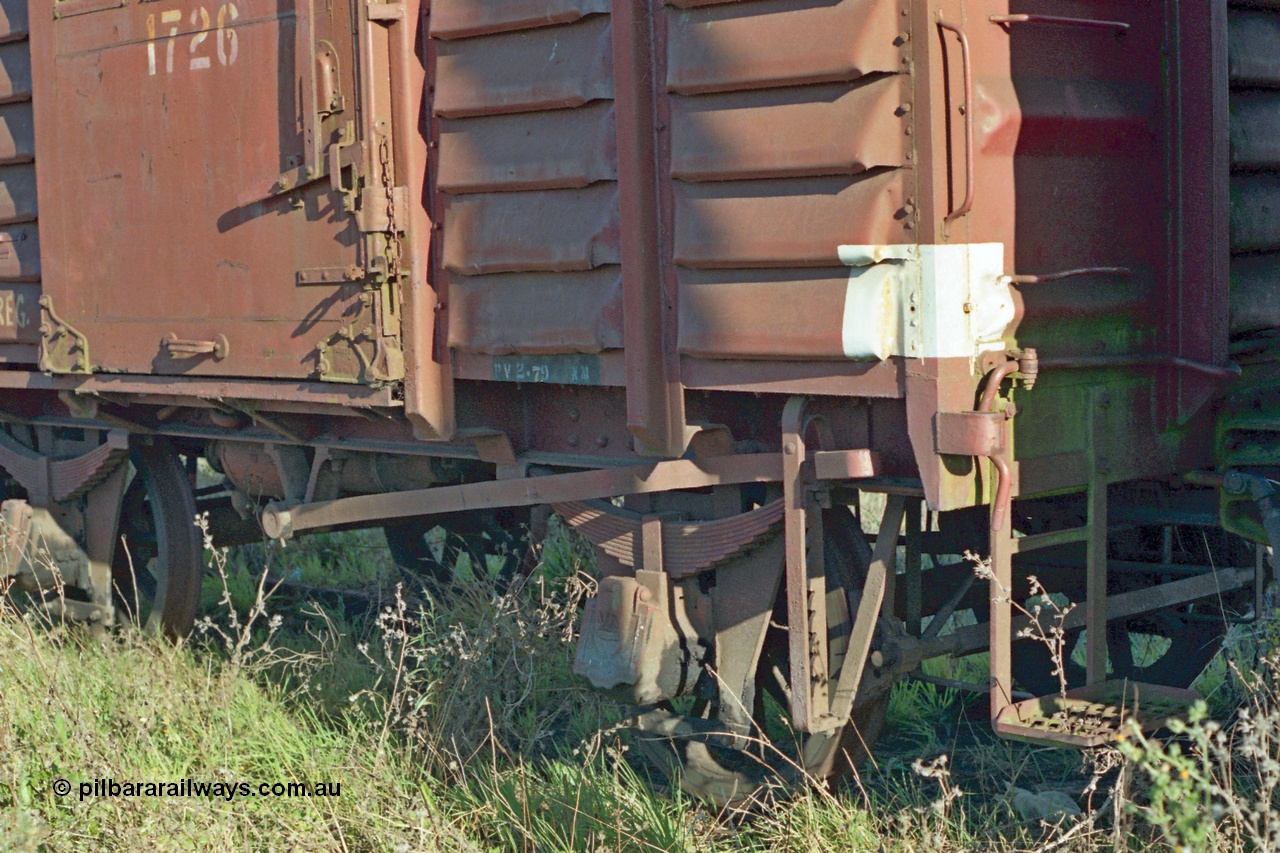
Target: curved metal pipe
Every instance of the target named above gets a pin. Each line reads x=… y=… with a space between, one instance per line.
x=1004 y=476
x=967 y=112
x=1045 y=278
x=995 y=377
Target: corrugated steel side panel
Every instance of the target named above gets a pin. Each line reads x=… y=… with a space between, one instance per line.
x=780 y=43
x=465 y=18
x=541 y=69
x=19 y=233
x=789 y=138
x=526 y=177
x=1254 y=66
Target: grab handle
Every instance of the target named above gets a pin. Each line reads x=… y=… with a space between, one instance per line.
x=1119 y=26
x=966 y=109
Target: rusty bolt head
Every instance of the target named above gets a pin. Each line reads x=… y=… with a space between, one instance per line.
x=968 y=308
x=285 y=183
x=574 y=414
x=602 y=440
x=354 y=273
x=789 y=449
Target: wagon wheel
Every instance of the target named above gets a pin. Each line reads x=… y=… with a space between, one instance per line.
x=1169 y=647
x=157 y=567
x=729 y=777
x=478 y=534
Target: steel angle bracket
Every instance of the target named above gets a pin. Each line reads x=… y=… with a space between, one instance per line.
x=63 y=347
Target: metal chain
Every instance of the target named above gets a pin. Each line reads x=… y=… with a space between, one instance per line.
x=394 y=248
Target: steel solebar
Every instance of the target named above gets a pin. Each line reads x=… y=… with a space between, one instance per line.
x=279 y=521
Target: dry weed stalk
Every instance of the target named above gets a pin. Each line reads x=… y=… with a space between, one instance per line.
x=1054 y=637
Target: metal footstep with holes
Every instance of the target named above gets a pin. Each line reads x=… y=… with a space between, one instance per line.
x=1095 y=715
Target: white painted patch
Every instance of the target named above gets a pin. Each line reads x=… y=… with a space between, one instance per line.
x=910 y=300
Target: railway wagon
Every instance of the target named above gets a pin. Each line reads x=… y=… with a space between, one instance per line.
x=699 y=275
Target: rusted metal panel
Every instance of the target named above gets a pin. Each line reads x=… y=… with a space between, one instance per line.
x=15 y=72
x=1255 y=129
x=1105 y=118
x=512 y=232
x=155 y=195
x=13 y=20
x=17 y=134
x=20 y=253
x=780 y=42
x=750 y=314
x=758 y=376
x=788 y=132
x=527 y=191
x=548 y=150
x=17 y=193
x=451 y=19
x=577 y=312
x=545 y=68
x=787 y=223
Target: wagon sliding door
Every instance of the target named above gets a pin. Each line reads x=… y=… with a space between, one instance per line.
x=218 y=187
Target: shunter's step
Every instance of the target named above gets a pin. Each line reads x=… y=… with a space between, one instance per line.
x=1095 y=715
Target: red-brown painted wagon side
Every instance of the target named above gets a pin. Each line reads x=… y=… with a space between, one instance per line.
x=736 y=263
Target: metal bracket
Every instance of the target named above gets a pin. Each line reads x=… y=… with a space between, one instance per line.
x=806 y=581
x=63 y=348
x=342 y=357
x=346 y=139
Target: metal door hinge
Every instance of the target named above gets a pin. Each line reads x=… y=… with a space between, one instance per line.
x=63 y=348
x=359 y=357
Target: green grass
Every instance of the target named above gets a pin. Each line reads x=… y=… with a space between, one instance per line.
x=449 y=727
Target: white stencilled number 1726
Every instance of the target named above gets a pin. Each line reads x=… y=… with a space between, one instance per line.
x=228 y=43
